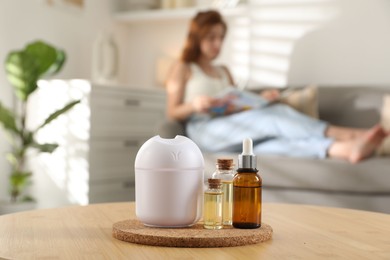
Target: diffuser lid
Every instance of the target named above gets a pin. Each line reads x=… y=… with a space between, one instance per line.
x=163 y=154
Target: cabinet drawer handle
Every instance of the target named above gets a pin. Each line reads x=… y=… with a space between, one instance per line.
x=128 y=184
x=132 y=102
x=131 y=143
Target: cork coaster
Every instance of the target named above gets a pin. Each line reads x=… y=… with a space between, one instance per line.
x=196 y=236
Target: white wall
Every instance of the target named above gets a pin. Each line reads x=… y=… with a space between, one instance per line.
x=148 y=42
x=73 y=30
x=353 y=48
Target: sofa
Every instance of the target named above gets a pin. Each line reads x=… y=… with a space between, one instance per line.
x=326 y=182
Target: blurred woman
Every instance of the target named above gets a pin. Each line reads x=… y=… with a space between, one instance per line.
x=195 y=81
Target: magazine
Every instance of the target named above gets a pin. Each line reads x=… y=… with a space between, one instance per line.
x=233 y=100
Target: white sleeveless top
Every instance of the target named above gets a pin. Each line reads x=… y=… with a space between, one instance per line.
x=202 y=84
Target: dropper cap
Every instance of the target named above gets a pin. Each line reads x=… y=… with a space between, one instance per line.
x=247 y=159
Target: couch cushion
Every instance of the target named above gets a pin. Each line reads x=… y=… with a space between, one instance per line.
x=304 y=100
x=369 y=176
x=351 y=106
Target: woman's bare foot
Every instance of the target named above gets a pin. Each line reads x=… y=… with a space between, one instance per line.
x=341 y=149
x=367 y=144
x=344 y=133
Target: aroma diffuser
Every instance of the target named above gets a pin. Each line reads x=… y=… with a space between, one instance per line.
x=169 y=182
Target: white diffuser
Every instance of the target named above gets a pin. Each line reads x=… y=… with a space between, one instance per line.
x=169 y=182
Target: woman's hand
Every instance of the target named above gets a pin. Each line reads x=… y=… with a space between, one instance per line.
x=270 y=94
x=202 y=104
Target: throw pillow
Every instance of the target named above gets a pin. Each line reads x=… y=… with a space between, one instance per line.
x=384 y=149
x=304 y=100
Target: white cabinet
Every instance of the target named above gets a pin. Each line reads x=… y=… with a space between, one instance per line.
x=99 y=138
x=121 y=121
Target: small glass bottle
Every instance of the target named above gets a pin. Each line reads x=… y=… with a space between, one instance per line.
x=247 y=190
x=226 y=173
x=212 y=212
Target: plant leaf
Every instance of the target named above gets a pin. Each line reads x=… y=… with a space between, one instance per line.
x=27 y=198
x=25 y=67
x=7 y=118
x=22 y=72
x=58 y=113
x=28 y=138
x=19 y=179
x=44 y=54
x=45 y=148
x=58 y=64
x=11 y=158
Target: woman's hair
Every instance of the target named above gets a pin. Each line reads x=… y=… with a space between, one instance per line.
x=199 y=27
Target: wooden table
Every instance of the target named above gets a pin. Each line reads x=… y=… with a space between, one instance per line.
x=300 y=232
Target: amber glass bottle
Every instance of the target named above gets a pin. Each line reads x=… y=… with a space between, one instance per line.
x=247 y=190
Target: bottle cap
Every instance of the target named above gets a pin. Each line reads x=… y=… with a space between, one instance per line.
x=247 y=159
x=225 y=164
x=214 y=183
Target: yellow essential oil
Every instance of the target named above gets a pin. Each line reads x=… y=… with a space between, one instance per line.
x=212 y=211
x=225 y=172
x=227 y=205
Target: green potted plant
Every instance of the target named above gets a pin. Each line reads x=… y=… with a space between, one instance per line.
x=24 y=68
